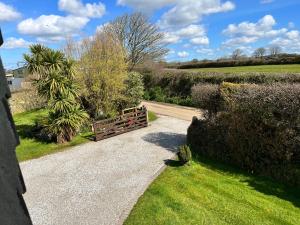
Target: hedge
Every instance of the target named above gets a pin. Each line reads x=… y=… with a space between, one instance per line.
x=181 y=82
x=256 y=127
x=268 y=60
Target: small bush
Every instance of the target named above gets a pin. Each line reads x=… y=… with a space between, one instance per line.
x=184 y=154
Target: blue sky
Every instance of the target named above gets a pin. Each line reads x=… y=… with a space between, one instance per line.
x=193 y=28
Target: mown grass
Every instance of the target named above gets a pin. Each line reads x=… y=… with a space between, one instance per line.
x=31 y=147
x=210 y=193
x=295 y=68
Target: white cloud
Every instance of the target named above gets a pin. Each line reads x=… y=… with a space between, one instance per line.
x=196 y=34
x=205 y=51
x=191 y=11
x=12 y=42
x=52 y=27
x=264 y=25
x=183 y=54
x=181 y=12
x=266 y=1
x=247 y=32
x=8 y=13
x=200 y=41
x=239 y=41
x=290 y=42
x=170 y=38
x=77 y=8
x=146 y=5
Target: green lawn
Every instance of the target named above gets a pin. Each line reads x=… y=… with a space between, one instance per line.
x=31 y=147
x=212 y=193
x=295 y=68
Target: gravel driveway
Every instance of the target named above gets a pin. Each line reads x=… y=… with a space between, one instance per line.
x=99 y=182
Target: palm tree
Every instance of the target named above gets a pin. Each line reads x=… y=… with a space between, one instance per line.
x=56 y=83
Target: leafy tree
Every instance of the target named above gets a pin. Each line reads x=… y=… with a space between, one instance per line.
x=55 y=82
x=101 y=73
x=141 y=39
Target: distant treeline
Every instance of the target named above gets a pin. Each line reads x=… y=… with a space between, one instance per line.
x=245 y=61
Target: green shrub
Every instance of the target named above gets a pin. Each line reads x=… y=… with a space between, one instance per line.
x=134 y=89
x=257 y=130
x=207 y=97
x=157 y=94
x=184 y=154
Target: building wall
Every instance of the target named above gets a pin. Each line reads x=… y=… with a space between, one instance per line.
x=15 y=84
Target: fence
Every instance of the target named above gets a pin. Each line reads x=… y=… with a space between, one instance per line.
x=130 y=119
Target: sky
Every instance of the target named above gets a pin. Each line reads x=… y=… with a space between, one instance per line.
x=193 y=29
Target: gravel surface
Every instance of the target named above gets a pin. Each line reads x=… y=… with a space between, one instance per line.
x=99 y=182
x=180 y=112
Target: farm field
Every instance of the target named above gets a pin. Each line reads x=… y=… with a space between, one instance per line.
x=31 y=148
x=211 y=193
x=295 y=68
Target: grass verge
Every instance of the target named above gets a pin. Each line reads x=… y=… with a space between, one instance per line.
x=210 y=193
x=30 y=147
x=151 y=116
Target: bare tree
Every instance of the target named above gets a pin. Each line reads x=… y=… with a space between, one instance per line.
x=274 y=50
x=141 y=39
x=259 y=53
x=236 y=54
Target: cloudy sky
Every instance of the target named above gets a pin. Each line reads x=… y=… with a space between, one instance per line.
x=193 y=28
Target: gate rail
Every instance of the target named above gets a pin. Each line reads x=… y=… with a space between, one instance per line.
x=130 y=119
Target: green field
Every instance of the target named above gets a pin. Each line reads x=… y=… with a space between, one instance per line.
x=295 y=68
x=211 y=193
x=31 y=147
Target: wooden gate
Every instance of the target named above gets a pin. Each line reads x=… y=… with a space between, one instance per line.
x=130 y=119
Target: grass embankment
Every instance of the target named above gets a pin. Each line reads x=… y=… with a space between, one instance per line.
x=32 y=147
x=210 y=193
x=295 y=68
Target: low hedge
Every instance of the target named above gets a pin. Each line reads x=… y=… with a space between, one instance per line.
x=256 y=127
x=179 y=83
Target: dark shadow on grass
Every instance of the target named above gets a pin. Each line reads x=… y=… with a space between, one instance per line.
x=172 y=163
x=31 y=132
x=89 y=136
x=262 y=184
x=167 y=140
